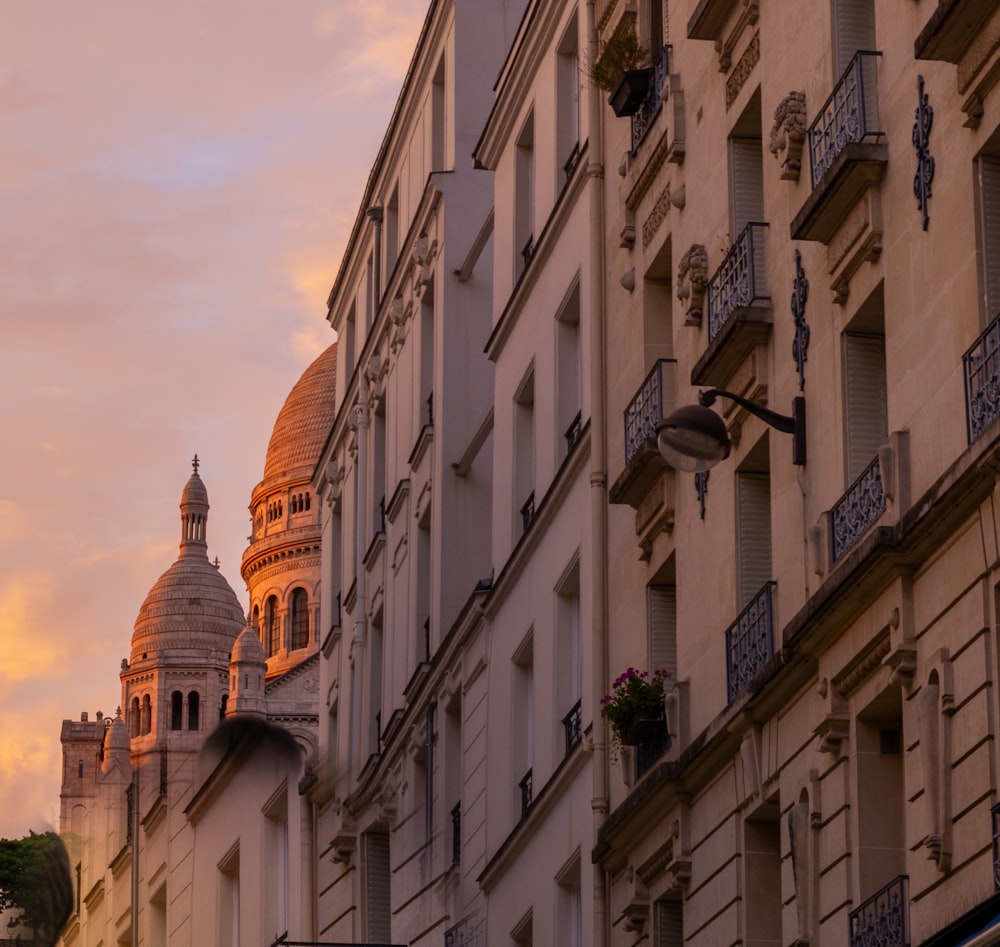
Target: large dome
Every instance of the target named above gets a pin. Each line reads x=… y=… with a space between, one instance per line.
x=191 y=610
x=304 y=421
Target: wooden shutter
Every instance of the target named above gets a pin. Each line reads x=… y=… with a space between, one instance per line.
x=663 y=628
x=746 y=183
x=754 y=512
x=989 y=222
x=866 y=414
x=854 y=29
x=378 y=903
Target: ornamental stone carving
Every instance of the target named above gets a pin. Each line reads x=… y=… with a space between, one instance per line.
x=788 y=134
x=692 y=278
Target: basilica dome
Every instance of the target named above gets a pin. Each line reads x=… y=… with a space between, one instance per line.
x=191 y=610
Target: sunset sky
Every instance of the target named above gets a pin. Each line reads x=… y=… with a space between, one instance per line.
x=177 y=182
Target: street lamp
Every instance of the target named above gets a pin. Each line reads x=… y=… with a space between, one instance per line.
x=694 y=438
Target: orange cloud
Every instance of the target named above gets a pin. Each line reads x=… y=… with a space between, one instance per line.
x=28 y=653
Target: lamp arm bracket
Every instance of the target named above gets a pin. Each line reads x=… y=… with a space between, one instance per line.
x=780 y=422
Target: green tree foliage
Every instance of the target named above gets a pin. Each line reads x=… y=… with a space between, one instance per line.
x=35 y=879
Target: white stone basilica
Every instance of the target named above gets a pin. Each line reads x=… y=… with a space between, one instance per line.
x=137 y=789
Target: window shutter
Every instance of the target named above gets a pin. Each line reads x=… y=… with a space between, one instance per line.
x=867 y=422
x=746 y=183
x=989 y=213
x=663 y=628
x=854 y=29
x=754 y=500
x=378 y=904
x=669 y=923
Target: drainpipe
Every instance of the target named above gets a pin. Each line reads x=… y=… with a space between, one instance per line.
x=598 y=479
x=134 y=867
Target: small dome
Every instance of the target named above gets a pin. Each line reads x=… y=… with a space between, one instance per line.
x=116 y=736
x=194 y=493
x=248 y=649
x=304 y=421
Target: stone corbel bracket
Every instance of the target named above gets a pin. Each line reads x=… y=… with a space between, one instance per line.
x=902 y=656
x=692 y=279
x=835 y=727
x=788 y=134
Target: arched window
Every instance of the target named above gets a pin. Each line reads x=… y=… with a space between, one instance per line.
x=300 y=619
x=147 y=716
x=194 y=702
x=133 y=718
x=222 y=706
x=256 y=619
x=176 y=711
x=272 y=620
x=294 y=505
x=307 y=501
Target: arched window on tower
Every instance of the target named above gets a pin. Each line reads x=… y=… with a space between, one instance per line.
x=300 y=619
x=194 y=702
x=176 y=711
x=147 y=716
x=133 y=718
x=222 y=706
x=272 y=621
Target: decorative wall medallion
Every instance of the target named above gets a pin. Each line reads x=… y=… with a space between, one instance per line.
x=788 y=134
x=701 y=488
x=800 y=344
x=924 y=115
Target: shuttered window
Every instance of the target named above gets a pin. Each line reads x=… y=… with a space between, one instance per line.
x=663 y=628
x=669 y=923
x=854 y=29
x=746 y=183
x=988 y=173
x=378 y=904
x=866 y=416
x=754 y=515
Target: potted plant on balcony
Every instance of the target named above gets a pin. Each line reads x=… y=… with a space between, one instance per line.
x=622 y=68
x=634 y=708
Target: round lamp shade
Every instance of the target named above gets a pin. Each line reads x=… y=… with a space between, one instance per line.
x=693 y=439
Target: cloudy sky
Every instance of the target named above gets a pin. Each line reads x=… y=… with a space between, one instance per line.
x=177 y=182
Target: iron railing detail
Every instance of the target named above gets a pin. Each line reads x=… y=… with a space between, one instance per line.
x=995 y=815
x=881 y=921
x=981 y=367
x=651 y=105
x=648 y=751
x=456 y=833
x=525 y=786
x=468 y=932
x=850 y=114
x=856 y=510
x=574 y=431
x=740 y=280
x=528 y=511
x=648 y=406
x=573 y=727
x=750 y=641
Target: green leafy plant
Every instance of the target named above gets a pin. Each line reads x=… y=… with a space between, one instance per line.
x=35 y=880
x=621 y=52
x=634 y=694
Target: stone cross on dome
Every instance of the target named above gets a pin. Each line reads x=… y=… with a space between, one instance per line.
x=194 y=463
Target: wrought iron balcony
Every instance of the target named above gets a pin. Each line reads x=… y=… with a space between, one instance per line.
x=739 y=282
x=981 y=366
x=651 y=403
x=750 y=641
x=856 y=510
x=850 y=114
x=465 y=933
x=573 y=727
x=573 y=432
x=648 y=751
x=882 y=920
x=525 y=786
x=643 y=119
x=528 y=511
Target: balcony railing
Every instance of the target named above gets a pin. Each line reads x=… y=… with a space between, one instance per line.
x=528 y=511
x=981 y=366
x=882 y=919
x=750 y=641
x=652 y=103
x=525 y=786
x=466 y=933
x=573 y=727
x=648 y=406
x=573 y=432
x=856 y=510
x=648 y=751
x=850 y=114
x=740 y=280
x=456 y=833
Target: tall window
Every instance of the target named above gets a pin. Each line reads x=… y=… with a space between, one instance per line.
x=377 y=888
x=229 y=900
x=424 y=408
x=866 y=419
x=276 y=865
x=134 y=718
x=524 y=452
x=523 y=742
x=176 y=711
x=570 y=906
x=568 y=369
x=753 y=510
x=438 y=123
x=147 y=715
x=391 y=227
x=300 y=619
x=272 y=621
x=762 y=876
x=746 y=170
x=524 y=197
x=569 y=669
x=194 y=707
x=988 y=188
x=669 y=922
x=568 y=99
x=662 y=601
x=853 y=30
